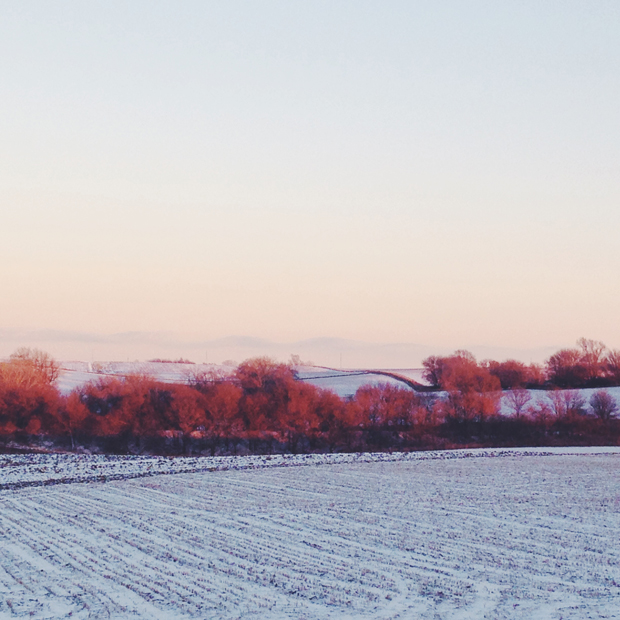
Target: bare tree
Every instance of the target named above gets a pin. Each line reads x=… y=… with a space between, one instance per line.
x=541 y=411
x=433 y=367
x=564 y=368
x=612 y=366
x=567 y=403
x=40 y=362
x=511 y=373
x=603 y=404
x=558 y=406
x=517 y=399
x=592 y=354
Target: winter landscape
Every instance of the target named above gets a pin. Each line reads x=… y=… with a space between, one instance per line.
x=309 y=310
x=103 y=516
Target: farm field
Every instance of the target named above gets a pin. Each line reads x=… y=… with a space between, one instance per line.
x=346 y=382
x=343 y=382
x=455 y=535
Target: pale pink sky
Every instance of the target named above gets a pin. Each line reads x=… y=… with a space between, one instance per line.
x=382 y=172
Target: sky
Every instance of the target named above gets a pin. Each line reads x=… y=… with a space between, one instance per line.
x=433 y=173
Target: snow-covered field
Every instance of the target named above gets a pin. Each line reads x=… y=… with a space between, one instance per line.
x=343 y=382
x=529 y=533
x=77 y=374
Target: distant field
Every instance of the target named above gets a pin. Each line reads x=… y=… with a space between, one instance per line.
x=467 y=534
x=343 y=382
x=77 y=374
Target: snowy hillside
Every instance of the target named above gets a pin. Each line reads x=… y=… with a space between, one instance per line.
x=343 y=382
x=76 y=374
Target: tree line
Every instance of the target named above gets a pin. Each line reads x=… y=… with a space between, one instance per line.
x=590 y=364
x=263 y=407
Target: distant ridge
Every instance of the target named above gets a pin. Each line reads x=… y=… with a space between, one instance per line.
x=328 y=351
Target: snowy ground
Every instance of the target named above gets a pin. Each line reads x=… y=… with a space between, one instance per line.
x=455 y=535
x=77 y=374
x=343 y=382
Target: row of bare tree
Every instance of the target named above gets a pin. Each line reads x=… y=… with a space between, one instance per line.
x=590 y=364
x=474 y=390
x=263 y=407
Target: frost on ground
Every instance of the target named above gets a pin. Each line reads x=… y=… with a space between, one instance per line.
x=511 y=534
